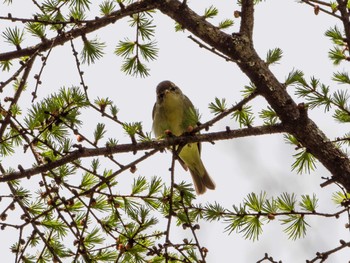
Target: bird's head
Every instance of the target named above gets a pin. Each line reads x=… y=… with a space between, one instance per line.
x=166 y=88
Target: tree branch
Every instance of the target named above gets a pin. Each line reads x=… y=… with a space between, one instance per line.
x=324 y=255
x=169 y=141
x=21 y=87
x=320 y=8
x=64 y=37
x=247 y=21
x=344 y=12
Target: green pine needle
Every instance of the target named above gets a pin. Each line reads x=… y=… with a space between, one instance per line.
x=106 y=7
x=155 y=186
x=140 y=184
x=133 y=66
x=80 y=4
x=36 y=29
x=99 y=132
x=269 y=116
x=77 y=14
x=252 y=228
x=111 y=142
x=59 y=227
x=100 y=203
x=218 y=106
x=255 y=202
x=210 y=12
x=249 y=90
x=14 y=36
x=5 y=65
x=226 y=24
x=270 y=206
x=341 y=77
x=342 y=116
x=337 y=55
x=334 y=6
x=125 y=48
x=290 y=139
x=296 y=226
x=214 y=212
x=88 y=181
x=295 y=77
x=114 y=110
x=308 y=203
x=340 y=98
x=304 y=162
x=93 y=50
x=149 y=51
x=132 y=128
x=102 y=103
x=244 y=116
x=340 y=197
x=93 y=238
x=179 y=27
x=286 y=202
x=273 y=56
x=134 y=51
x=144 y=25
x=335 y=35
x=146 y=29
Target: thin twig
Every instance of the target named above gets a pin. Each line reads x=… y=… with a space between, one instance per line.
x=193 y=230
x=268 y=258
x=321 y=9
x=211 y=49
x=170 y=215
x=17 y=95
x=324 y=255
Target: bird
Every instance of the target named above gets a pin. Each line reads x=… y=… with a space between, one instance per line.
x=173 y=113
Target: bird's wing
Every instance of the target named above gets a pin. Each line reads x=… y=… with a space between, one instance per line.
x=154 y=109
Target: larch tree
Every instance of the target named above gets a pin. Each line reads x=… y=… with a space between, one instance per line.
x=64 y=197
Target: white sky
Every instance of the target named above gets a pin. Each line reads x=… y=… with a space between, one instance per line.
x=238 y=166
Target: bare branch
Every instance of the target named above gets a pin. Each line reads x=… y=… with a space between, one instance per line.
x=324 y=255
x=320 y=8
x=201 y=45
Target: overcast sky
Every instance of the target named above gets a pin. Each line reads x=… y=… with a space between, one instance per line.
x=239 y=166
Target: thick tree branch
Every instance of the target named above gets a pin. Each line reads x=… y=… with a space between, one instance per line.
x=170 y=141
x=238 y=48
x=344 y=12
x=247 y=15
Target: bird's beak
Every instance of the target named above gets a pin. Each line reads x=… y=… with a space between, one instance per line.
x=166 y=92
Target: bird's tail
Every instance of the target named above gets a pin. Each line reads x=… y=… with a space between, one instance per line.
x=201 y=181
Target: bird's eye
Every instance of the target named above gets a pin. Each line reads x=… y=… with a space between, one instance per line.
x=173 y=88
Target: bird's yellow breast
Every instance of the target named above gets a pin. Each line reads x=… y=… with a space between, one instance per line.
x=169 y=115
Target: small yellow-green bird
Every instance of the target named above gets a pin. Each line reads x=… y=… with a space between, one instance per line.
x=173 y=112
